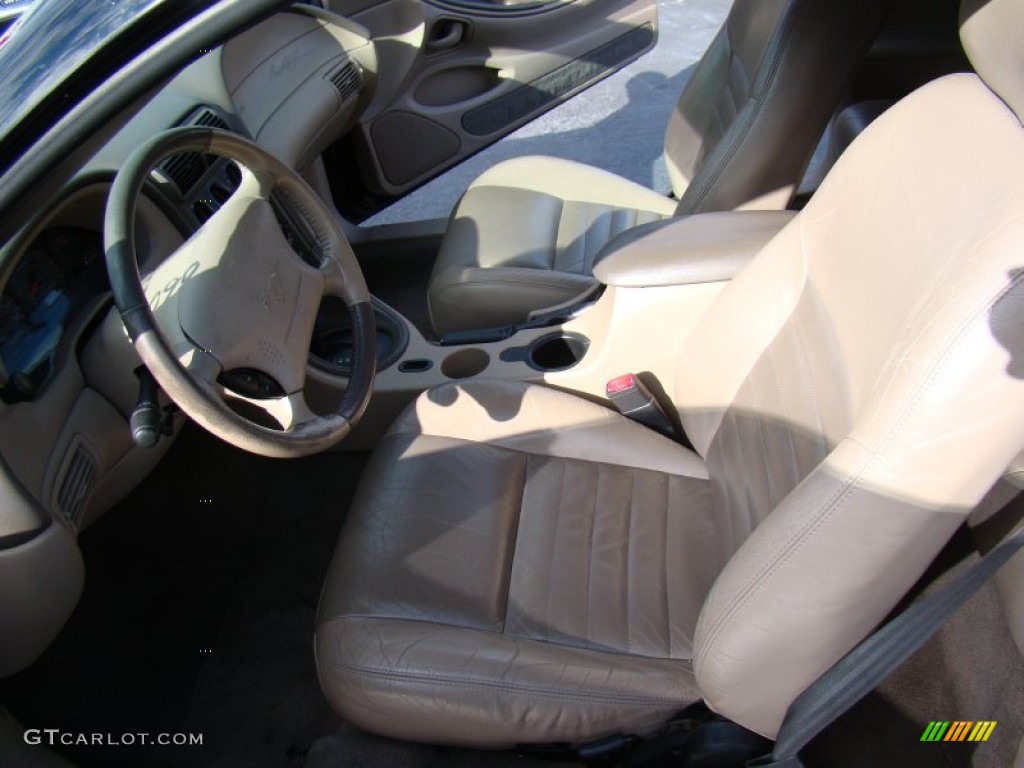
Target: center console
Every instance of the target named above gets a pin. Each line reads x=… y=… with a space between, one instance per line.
x=659 y=281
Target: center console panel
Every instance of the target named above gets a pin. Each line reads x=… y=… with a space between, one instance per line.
x=659 y=281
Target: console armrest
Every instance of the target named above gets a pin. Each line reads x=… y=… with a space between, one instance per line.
x=705 y=248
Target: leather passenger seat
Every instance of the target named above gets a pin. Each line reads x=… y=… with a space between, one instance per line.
x=525 y=235
x=521 y=565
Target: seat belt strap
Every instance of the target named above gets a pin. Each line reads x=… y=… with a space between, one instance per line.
x=871 y=662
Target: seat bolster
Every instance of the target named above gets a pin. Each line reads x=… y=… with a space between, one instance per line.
x=472 y=297
x=569 y=180
x=486 y=689
x=990 y=31
x=850 y=123
x=544 y=421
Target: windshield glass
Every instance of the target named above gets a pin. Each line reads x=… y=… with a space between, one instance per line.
x=50 y=41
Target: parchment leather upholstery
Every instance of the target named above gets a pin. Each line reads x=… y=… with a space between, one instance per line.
x=524 y=566
x=489 y=558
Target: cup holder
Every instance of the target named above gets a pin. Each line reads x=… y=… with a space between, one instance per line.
x=465 y=363
x=557 y=351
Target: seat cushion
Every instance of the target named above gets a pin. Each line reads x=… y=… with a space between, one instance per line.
x=524 y=237
x=504 y=578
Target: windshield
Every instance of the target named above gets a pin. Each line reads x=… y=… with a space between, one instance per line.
x=50 y=41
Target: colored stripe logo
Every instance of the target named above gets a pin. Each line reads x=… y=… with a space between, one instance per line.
x=958 y=730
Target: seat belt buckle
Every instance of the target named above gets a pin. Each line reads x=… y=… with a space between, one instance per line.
x=634 y=400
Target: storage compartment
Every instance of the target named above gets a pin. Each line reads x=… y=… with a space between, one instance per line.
x=331 y=347
x=465 y=363
x=452 y=86
x=557 y=351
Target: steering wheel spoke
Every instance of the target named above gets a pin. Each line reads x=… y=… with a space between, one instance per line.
x=203 y=366
x=257 y=183
x=290 y=411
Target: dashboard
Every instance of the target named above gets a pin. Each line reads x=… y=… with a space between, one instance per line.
x=68 y=374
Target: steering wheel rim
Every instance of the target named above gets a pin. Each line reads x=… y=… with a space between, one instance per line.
x=203 y=311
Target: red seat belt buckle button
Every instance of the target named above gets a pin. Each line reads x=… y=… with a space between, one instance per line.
x=620 y=385
x=635 y=401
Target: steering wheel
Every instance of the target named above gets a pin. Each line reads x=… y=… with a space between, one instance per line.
x=237 y=298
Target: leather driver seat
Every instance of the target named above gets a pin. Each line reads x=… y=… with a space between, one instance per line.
x=524 y=566
x=526 y=234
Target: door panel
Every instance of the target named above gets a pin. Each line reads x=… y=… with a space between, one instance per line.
x=457 y=75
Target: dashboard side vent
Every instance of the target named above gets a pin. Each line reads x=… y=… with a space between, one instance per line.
x=184 y=170
x=76 y=486
x=209 y=119
x=346 y=79
x=187 y=169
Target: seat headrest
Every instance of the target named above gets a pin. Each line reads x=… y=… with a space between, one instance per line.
x=992 y=32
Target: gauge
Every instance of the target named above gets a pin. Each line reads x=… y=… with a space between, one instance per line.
x=44 y=277
x=54 y=279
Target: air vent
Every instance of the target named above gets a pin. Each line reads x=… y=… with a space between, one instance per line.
x=74 y=490
x=186 y=170
x=346 y=79
x=209 y=119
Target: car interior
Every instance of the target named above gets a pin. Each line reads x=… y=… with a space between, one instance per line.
x=583 y=473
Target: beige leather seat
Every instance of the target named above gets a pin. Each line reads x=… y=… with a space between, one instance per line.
x=527 y=232
x=521 y=565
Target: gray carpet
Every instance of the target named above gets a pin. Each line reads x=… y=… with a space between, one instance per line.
x=971 y=670
x=350 y=748
x=398 y=273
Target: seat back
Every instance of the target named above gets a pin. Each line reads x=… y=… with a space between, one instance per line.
x=858 y=389
x=749 y=119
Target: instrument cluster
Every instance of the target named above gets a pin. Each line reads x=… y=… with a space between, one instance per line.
x=60 y=272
